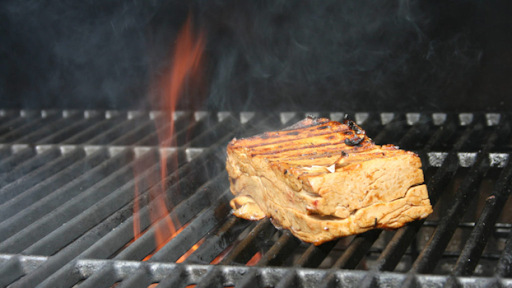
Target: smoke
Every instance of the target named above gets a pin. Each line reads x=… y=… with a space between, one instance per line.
x=262 y=55
x=74 y=54
x=341 y=55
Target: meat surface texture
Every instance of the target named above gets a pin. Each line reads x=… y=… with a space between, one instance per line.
x=324 y=179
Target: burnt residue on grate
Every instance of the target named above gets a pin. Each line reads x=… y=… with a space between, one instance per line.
x=67 y=182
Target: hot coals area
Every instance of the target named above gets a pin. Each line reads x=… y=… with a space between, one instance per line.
x=93 y=199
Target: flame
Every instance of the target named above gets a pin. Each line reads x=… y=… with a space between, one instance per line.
x=222 y=255
x=254 y=260
x=136 y=208
x=186 y=63
x=190 y=251
x=163 y=242
x=187 y=59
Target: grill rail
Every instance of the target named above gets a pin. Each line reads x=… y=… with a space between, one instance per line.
x=67 y=182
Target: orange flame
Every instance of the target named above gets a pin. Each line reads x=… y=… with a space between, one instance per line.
x=222 y=255
x=190 y=251
x=165 y=241
x=187 y=59
x=136 y=216
x=254 y=260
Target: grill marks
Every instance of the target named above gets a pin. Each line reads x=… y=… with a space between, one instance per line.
x=311 y=140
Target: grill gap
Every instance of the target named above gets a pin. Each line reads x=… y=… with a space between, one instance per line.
x=77 y=167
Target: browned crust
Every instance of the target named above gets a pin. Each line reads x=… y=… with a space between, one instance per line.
x=305 y=161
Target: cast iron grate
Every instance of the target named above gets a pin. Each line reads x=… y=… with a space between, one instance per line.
x=67 y=183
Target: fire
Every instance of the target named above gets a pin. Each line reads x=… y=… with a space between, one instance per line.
x=186 y=65
x=187 y=61
x=190 y=251
x=254 y=260
x=222 y=255
x=136 y=216
x=164 y=241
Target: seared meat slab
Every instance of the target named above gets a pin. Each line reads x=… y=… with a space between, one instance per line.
x=323 y=179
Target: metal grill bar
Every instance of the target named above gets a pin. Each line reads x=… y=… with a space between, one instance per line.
x=28 y=166
x=50 y=128
x=90 y=242
x=47 y=117
x=111 y=120
x=59 y=215
x=362 y=243
x=504 y=266
x=181 y=214
x=133 y=135
x=232 y=275
x=430 y=255
x=213 y=279
x=140 y=247
x=17 y=120
x=314 y=255
x=106 y=277
x=198 y=255
x=90 y=118
x=23 y=153
x=402 y=239
x=91 y=247
x=182 y=122
x=60 y=171
x=481 y=233
x=280 y=251
x=246 y=249
x=119 y=130
x=217 y=242
x=177 y=279
x=91 y=214
x=187 y=133
x=185 y=239
x=392 y=129
x=5 y=151
x=198 y=228
x=125 y=192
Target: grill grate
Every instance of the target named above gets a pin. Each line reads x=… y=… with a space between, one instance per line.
x=67 y=194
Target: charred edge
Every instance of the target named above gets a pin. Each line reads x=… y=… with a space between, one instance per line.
x=376 y=223
x=352 y=126
x=323 y=127
x=344 y=154
x=353 y=141
x=285 y=172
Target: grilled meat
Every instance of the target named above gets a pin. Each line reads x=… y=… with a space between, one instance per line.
x=323 y=179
